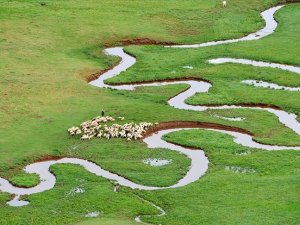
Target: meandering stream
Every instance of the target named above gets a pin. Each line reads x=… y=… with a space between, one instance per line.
x=199 y=162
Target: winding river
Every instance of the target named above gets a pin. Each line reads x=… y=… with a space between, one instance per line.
x=199 y=162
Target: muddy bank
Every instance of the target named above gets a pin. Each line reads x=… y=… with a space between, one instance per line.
x=192 y=124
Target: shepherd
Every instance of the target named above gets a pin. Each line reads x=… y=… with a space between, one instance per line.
x=117 y=187
x=224 y=4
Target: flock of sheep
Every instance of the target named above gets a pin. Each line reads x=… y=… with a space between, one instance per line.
x=93 y=128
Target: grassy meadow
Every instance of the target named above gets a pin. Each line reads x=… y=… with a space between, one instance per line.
x=48 y=49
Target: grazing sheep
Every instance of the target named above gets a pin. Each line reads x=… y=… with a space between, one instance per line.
x=224 y=4
x=92 y=128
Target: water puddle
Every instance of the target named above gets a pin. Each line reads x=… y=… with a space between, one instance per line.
x=157 y=162
x=293 y=69
x=92 y=214
x=263 y=84
x=237 y=119
x=188 y=67
x=237 y=169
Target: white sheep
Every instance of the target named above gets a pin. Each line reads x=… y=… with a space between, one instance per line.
x=224 y=3
x=93 y=128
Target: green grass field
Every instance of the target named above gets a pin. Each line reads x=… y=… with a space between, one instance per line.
x=48 y=49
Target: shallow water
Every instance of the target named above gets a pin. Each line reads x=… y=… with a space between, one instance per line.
x=255 y=63
x=92 y=214
x=237 y=169
x=188 y=67
x=16 y=202
x=161 y=211
x=237 y=119
x=263 y=84
x=157 y=162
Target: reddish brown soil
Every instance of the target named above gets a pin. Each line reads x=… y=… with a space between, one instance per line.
x=48 y=158
x=144 y=41
x=290 y=1
x=192 y=124
x=163 y=80
x=96 y=75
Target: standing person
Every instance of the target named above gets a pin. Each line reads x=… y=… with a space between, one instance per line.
x=117 y=187
x=102 y=113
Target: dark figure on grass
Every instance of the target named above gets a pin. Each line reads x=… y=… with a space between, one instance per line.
x=117 y=187
x=102 y=113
